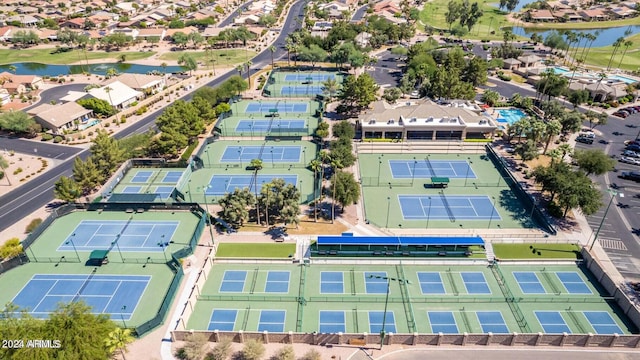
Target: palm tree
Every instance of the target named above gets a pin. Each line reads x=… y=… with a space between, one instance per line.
x=580 y=36
x=565 y=149
x=272 y=49
x=164 y=68
x=601 y=76
x=627 y=44
x=248 y=64
x=240 y=69
x=111 y=72
x=554 y=154
x=591 y=38
x=330 y=88
x=316 y=166
x=108 y=90
x=616 y=45
x=336 y=165
x=256 y=164
x=118 y=341
x=551 y=130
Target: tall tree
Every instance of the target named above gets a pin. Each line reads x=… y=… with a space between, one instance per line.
x=188 y=62
x=118 y=340
x=106 y=154
x=552 y=129
x=627 y=44
x=235 y=206
x=336 y=165
x=616 y=45
x=66 y=189
x=330 y=88
x=316 y=166
x=347 y=189
x=256 y=165
x=280 y=201
x=86 y=174
x=593 y=161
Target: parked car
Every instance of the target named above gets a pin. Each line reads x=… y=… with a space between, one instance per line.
x=620 y=114
x=629 y=160
x=630 y=175
x=631 y=154
x=633 y=147
x=584 y=140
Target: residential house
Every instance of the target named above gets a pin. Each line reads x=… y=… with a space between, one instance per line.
x=147 y=84
x=127 y=31
x=117 y=94
x=594 y=15
x=527 y=61
x=148 y=33
x=25 y=20
x=30 y=82
x=212 y=31
x=426 y=120
x=76 y=23
x=622 y=12
x=61 y=117
x=126 y=8
x=5 y=97
x=391 y=17
x=5 y=33
x=388 y=5
x=322 y=26
x=246 y=19
x=23 y=10
x=542 y=15
x=188 y=30
x=569 y=15
x=48 y=34
x=362 y=39
x=511 y=64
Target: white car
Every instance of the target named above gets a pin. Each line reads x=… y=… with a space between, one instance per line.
x=631 y=154
x=629 y=160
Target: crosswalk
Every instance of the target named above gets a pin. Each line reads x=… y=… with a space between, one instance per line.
x=612 y=244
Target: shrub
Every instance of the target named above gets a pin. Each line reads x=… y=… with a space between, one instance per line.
x=312 y=354
x=33 y=225
x=17 y=171
x=106 y=125
x=11 y=248
x=57 y=139
x=252 y=350
x=220 y=351
x=47 y=137
x=1 y=175
x=285 y=353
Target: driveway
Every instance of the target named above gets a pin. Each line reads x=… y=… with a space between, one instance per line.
x=55 y=93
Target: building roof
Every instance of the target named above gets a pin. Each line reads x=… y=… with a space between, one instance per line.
x=138 y=81
x=118 y=94
x=541 y=14
x=73 y=96
x=19 y=79
x=59 y=115
x=528 y=59
x=512 y=61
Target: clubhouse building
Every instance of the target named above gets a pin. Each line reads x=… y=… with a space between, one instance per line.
x=426 y=120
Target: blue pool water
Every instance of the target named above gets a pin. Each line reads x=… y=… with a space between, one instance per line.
x=510 y=115
x=623 y=79
x=566 y=72
x=559 y=70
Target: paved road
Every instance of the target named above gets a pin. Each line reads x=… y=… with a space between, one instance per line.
x=229 y=20
x=39 y=192
x=57 y=92
x=37 y=148
x=360 y=13
x=525 y=353
x=616 y=236
x=386 y=71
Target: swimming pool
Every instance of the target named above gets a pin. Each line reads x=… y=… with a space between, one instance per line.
x=510 y=115
x=559 y=70
x=622 y=78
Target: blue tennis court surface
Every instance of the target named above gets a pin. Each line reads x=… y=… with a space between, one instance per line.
x=424 y=169
x=277 y=282
x=374 y=285
x=271 y=320
x=172 y=177
x=301 y=90
x=268 y=125
x=573 y=283
x=223 y=319
x=332 y=321
x=164 y=192
x=265 y=153
x=442 y=321
x=475 y=283
x=281 y=107
x=529 y=282
x=222 y=184
x=233 y=281
x=116 y=295
x=431 y=283
x=602 y=322
x=331 y=282
x=307 y=77
x=492 y=321
x=421 y=207
x=375 y=322
x=552 y=322
x=133 y=235
x=142 y=176
x=131 y=189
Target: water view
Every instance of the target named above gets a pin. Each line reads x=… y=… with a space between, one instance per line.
x=605 y=37
x=98 y=69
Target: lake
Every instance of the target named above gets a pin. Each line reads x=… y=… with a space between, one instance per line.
x=520 y=5
x=98 y=69
x=606 y=36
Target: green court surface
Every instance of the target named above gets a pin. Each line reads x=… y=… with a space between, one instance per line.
x=285 y=107
x=482 y=180
x=298 y=84
x=472 y=296
x=144 y=182
x=537 y=251
x=46 y=247
x=255 y=250
x=262 y=125
x=12 y=282
x=208 y=184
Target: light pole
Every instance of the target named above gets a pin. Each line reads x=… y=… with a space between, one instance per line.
x=122 y=310
x=206 y=205
x=413 y=172
x=272 y=165
x=208 y=157
x=386 y=301
x=73 y=245
x=162 y=246
x=493 y=209
x=240 y=156
x=388 y=207
x=613 y=194
x=189 y=190
x=429 y=212
x=468 y=168
x=304 y=156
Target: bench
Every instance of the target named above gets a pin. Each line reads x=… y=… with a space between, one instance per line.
x=140 y=210
x=389 y=253
x=406 y=253
x=358 y=342
x=280 y=239
x=129 y=211
x=442 y=253
x=333 y=252
x=377 y=253
x=322 y=252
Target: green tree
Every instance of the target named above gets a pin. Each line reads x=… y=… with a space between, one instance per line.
x=106 y=154
x=181 y=117
x=593 y=161
x=267 y=20
x=596 y=119
x=552 y=129
x=205 y=111
x=188 y=62
x=86 y=174
x=280 y=202
x=578 y=192
x=336 y=165
x=252 y=350
x=312 y=54
x=235 y=207
x=196 y=39
x=392 y=95
x=490 y=97
x=347 y=189
x=316 y=166
x=19 y=122
x=343 y=130
x=118 y=340
x=10 y=249
x=475 y=72
x=256 y=165
x=527 y=150
x=359 y=92
x=330 y=88
x=100 y=107
x=453 y=12
x=66 y=189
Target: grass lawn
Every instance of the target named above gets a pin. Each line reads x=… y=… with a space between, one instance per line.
x=45 y=56
x=255 y=250
x=584 y=25
x=600 y=56
x=493 y=19
x=222 y=57
x=536 y=251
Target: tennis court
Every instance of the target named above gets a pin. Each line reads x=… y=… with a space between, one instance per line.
x=426 y=168
x=279 y=107
x=449 y=207
x=144 y=176
x=145 y=185
x=130 y=236
x=162 y=192
x=573 y=283
x=351 y=299
x=115 y=295
x=267 y=125
x=307 y=77
x=222 y=184
x=301 y=90
x=275 y=153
